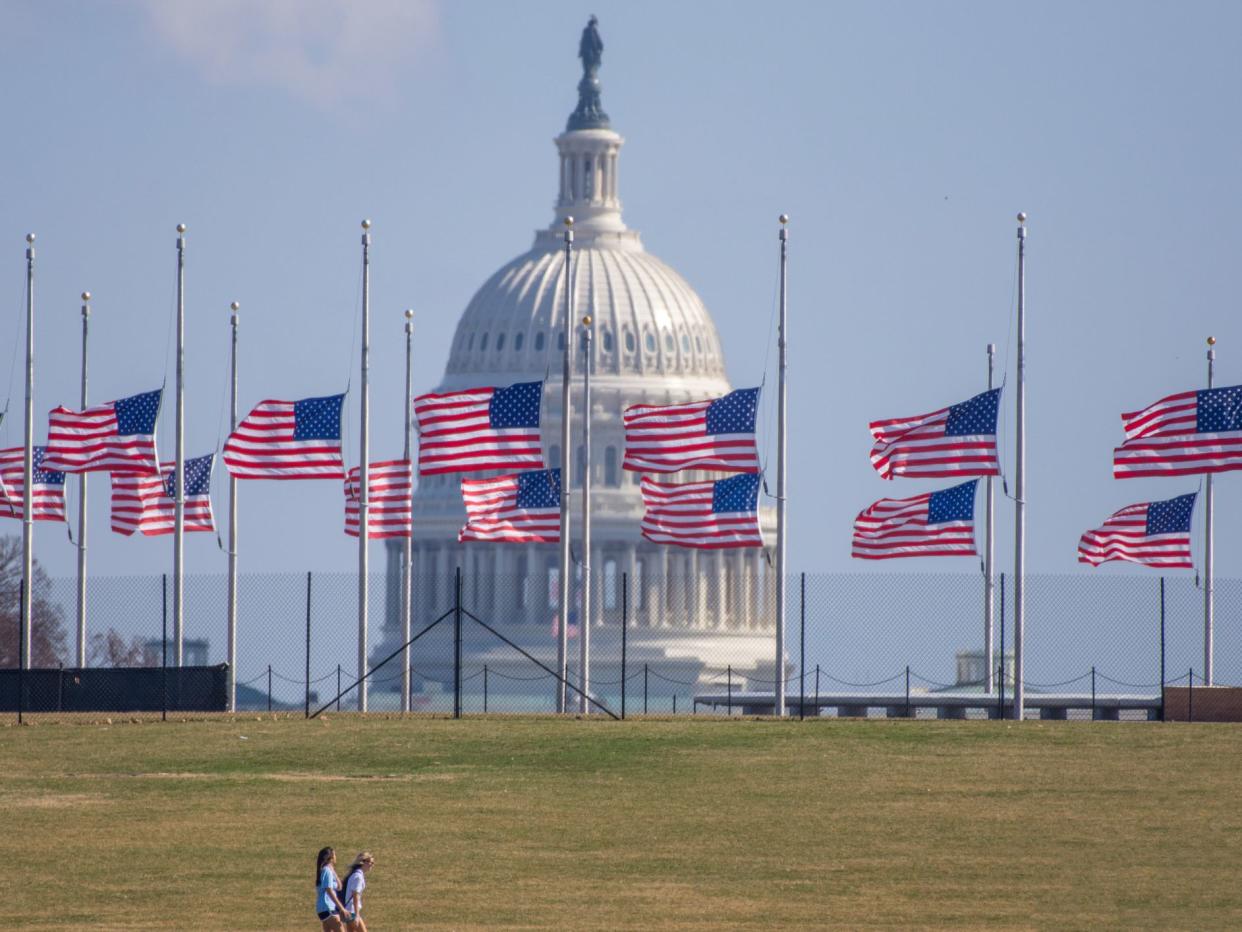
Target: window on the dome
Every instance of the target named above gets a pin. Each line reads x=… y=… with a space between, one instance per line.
x=560 y=341
x=606 y=339
x=629 y=342
x=685 y=344
x=517 y=342
x=669 y=346
x=649 y=342
x=500 y=342
x=539 y=342
x=611 y=477
x=610 y=584
x=483 y=343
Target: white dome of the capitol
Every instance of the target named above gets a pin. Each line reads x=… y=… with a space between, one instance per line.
x=653 y=341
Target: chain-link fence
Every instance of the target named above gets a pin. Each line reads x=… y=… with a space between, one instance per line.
x=856 y=644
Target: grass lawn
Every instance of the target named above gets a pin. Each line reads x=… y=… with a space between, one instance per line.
x=541 y=823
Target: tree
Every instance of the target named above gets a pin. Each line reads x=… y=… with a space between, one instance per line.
x=47 y=642
x=110 y=650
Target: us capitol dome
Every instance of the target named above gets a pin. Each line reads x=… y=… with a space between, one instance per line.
x=653 y=342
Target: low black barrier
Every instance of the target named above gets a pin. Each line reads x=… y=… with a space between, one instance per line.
x=115 y=689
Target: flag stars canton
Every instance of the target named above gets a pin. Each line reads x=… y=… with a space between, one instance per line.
x=737 y=493
x=734 y=413
x=197 y=477
x=136 y=414
x=1171 y=516
x=515 y=406
x=976 y=416
x=45 y=476
x=1219 y=409
x=539 y=489
x=318 y=418
x=955 y=504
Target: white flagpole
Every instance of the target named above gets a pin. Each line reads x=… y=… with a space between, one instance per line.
x=989 y=583
x=407 y=545
x=562 y=633
x=782 y=466
x=232 y=634
x=1209 y=546
x=81 y=633
x=364 y=463
x=584 y=621
x=28 y=463
x=1019 y=488
x=179 y=475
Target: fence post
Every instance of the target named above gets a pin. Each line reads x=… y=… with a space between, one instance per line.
x=308 y=642
x=484 y=689
x=1162 y=718
x=60 y=687
x=625 y=623
x=269 y=687
x=817 y=690
x=802 y=661
x=644 y=689
x=1093 y=692
x=164 y=651
x=457 y=645
x=21 y=651
x=1190 y=696
x=1001 y=694
x=674 y=703
x=338 y=687
x=907 y=690
x=729 y=704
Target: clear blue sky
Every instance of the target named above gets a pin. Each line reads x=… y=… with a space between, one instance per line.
x=901 y=137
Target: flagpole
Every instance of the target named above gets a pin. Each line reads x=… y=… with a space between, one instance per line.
x=81 y=638
x=179 y=474
x=232 y=555
x=28 y=465
x=1209 y=546
x=584 y=620
x=1019 y=501
x=778 y=676
x=407 y=545
x=562 y=626
x=989 y=555
x=364 y=463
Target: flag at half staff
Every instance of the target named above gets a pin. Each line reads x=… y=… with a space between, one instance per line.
x=956 y=441
x=708 y=515
x=1183 y=434
x=47 y=495
x=935 y=524
x=1153 y=534
x=388 y=500
x=480 y=428
x=524 y=508
x=148 y=504
x=717 y=435
x=115 y=437
x=288 y=440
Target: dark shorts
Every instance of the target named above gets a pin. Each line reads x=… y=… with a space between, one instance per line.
x=324 y=915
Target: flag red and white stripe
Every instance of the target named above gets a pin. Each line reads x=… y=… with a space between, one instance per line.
x=1151 y=533
x=717 y=435
x=479 y=429
x=388 y=507
x=1189 y=433
x=954 y=442
x=523 y=508
x=288 y=440
x=142 y=504
x=935 y=524
x=118 y=436
x=706 y=515
x=47 y=495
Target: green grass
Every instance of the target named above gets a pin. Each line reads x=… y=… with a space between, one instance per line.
x=541 y=823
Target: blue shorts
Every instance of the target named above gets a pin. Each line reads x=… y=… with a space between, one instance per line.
x=326 y=914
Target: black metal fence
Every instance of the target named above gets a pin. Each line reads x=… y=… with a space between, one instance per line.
x=895 y=644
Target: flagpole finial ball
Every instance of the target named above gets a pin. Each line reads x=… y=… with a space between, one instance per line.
x=569 y=221
x=86 y=296
x=180 y=227
x=30 y=237
x=586 y=321
x=409 y=313
x=235 y=307
x=1022 y=216
x=784 y=219
x=1211 y=341
x=366 y=224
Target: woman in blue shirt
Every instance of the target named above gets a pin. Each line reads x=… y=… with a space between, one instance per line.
x=327 y=903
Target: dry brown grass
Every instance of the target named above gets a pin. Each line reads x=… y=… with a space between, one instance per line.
x=541 y=823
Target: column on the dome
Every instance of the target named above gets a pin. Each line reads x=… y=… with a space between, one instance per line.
x=666 y=602
x=627 y=563
x=722 y=590
x=441 y=584
x=694 y=612
x=685 y=585
x=747 y=560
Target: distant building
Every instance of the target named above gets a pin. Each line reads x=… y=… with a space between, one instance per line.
x=194 y=652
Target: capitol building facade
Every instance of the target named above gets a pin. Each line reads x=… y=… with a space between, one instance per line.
x=653 y=342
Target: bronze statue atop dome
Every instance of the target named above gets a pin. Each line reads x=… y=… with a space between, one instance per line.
x=589 y=113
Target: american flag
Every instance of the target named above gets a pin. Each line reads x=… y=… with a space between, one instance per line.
x=115 y=437
x=47 y=494
x=1153 y=533
x=148 y=504
x=717 y=435
x=956 y=441
x=935 y=524
x=1183 y=434
x=481 y=428
x=711 y=515
x=388 y=507
x=523 y=508
x=288 y=440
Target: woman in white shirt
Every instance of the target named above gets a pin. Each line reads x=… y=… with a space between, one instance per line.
x=355 y=883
